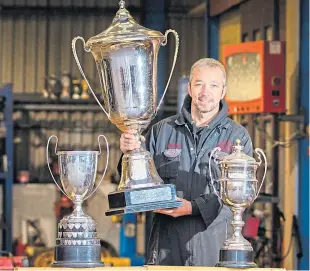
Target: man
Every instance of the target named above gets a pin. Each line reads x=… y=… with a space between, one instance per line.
x=181 y=145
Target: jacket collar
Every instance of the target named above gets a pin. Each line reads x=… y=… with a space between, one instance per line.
x=219 y=120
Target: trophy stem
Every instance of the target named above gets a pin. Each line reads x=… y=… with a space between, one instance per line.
x=77 y=209
x=238 y=223
x=237 y=252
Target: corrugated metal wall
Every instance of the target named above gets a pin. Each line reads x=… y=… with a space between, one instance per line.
x=36 y=42
x=192 y=44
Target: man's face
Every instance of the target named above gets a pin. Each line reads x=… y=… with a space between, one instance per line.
x=206 y=88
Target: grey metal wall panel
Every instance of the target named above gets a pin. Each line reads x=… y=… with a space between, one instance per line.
x=74 y=3
x=65 y=47
x=35 y=45
x=7 y=55
x=19 y=52
x=1 y=48
x=32 y=3
x=40 y=44
x=77 y=30
x=54 y=43
x=41 y=58
x=191 y=31
x=89 y=63
x=31 y=54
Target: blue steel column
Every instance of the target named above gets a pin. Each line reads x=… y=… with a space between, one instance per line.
x=128 y=240
x=154 y=13
x=6 y=92
x=211 y=34
x=303 y=200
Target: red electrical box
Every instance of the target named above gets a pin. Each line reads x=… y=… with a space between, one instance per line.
x=255 y=77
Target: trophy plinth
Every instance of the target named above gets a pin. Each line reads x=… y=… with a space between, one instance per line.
x=236 y=259
x=141 y=189
x=142 y=199
x=77 y=244
x=238 y=188
x=126 y=56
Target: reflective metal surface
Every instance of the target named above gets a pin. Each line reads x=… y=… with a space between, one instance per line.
x=126 y=59
x=128 y=76
x=138 y=169
x=238 y=188
x=77 y=170
x=126 y=56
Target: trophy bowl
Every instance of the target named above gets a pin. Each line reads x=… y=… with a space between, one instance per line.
x=126 y=55
x=77 y=244
x=238 y=188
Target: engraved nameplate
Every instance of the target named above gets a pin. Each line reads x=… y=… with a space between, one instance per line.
x=150 y=195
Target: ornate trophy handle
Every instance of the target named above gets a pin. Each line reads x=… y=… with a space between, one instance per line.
x=48 y=164
x=107 y=145
x=259 y=153
x=177 y=42
x=214 y=151
x=81 y=70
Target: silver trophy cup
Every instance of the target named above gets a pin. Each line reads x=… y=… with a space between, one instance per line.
x=126 y=58
x=238 y=188
x=77 y=244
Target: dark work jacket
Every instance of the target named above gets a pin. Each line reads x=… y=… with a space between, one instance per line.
x=181 y=154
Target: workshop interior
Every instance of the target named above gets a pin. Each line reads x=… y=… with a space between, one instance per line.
x=52 y=84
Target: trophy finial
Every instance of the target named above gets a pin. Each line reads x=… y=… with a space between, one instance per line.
x=121 y=4
x=238 y=148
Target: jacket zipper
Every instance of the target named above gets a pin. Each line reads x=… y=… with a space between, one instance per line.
x=190 y=227
x=194 y=145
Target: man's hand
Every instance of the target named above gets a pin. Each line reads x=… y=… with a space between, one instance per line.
x=129 y=142
x=184 y=209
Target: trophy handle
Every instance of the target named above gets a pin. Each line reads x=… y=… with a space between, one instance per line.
x=82 y=72
x=48 y=164
x=214 y=151
x=259 y=153
x=107 y=145
x=177 y=42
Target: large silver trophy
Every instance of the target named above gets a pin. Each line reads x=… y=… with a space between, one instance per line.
x=77 y=244
x=238 y=188
x=126 y=58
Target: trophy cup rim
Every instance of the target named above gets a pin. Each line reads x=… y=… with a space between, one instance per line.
x=77 y=152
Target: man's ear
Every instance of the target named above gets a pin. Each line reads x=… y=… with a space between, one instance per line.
x=189 y=89
x=224 y=92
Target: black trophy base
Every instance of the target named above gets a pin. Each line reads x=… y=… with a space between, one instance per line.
x=78 y=256
x=236 y=259
x=143 y=200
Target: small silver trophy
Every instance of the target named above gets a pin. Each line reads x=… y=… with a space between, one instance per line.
x=126 y=56
x=238 y=188
x=77 y=244
x=66 y=86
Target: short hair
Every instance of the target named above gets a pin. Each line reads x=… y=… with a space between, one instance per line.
x=211 y=63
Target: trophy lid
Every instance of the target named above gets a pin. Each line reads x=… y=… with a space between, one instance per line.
x=238 y=156
x=123 y=28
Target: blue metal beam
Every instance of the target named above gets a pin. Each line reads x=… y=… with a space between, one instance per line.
x=128 y=240
x=155 y=18
x=303 y=216
x=211 y=34
x=6 y=92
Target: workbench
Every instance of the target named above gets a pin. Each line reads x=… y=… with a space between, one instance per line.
x=147 y=268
